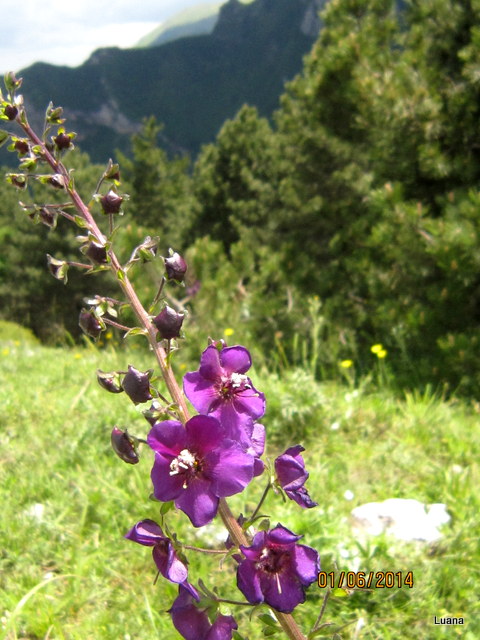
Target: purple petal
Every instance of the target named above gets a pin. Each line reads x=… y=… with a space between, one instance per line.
x=190 y=622
x=235 y=359
x=307 y=564
x=191 y=589
x=199 y=391
x=168 y=563
x=238 y=426
x=146 y=532
x=290 y=472
x=258 y=439
x=302 y=498
x=204 y=433
x=295 y=452
x=282 y=535
x=166 y=487
x=210 y=367
x=248 y=581
x=282 y=591
x=250 y=401
x=222 y=628
x=167 y=437
x=230 y=469
x=198 y=502
x=258 y=467
x=259 y=542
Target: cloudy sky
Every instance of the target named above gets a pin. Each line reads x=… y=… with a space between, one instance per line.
x=65 y=33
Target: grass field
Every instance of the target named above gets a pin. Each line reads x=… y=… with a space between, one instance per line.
x=66 y=571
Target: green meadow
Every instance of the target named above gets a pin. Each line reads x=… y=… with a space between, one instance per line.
x=66 y=572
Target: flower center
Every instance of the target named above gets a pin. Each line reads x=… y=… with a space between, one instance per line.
x=235 y=383
x=273 y=560
x=186 y=464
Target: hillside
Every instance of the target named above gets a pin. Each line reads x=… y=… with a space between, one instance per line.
x=194 y=21
x=192 y=85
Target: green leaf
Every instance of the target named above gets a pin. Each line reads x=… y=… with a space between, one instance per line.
x=4 y=136
x=81 y=222
x=268 y=620
x=269 y=631
x=135 y=331
x=340 y=593
x=264 y=525
x=166 y=507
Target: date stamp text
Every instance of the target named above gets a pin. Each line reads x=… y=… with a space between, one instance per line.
x=365 y=579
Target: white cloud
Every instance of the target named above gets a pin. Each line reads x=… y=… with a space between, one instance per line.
x=66 y=33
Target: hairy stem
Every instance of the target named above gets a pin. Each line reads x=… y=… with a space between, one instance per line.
x=124 y=282
x=236 y=532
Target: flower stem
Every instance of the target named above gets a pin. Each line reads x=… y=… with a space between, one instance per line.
x=201 y=550
x=119 y=272
x=259 y=505
x=236 y=532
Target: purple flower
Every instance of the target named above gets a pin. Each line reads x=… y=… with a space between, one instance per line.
x=196 y=465
x=276 y=570
x=292 y=475
x=193 y=624
x=221 y=389
x=149 y=533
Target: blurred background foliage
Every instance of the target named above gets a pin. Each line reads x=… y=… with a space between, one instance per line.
x=349 y=219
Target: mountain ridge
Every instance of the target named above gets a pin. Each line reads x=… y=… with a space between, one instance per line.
x=191 y=85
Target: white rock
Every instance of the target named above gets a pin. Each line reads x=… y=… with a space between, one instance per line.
x=406 y=519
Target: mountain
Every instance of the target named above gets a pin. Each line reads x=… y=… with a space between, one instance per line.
x=194 y=21
x=191 y=85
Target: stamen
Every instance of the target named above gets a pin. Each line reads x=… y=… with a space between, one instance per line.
x=239 y=380
x=279 y=587
x=185 y=461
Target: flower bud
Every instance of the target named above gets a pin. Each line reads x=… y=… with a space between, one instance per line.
x=12 y=83
x=175 y=267
x=168 y=323
x=137 y=385
x=57 y=181
x=21 y=146
x=47 y=217
x=109 y=381
x=11 y=111
x=154 y=413
x=112 y=172
x=58 y=268
x=62 y=141
x=111 y=202
x=124 y=446
x=90 y=324
x=96 y=252
x=18 y=180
